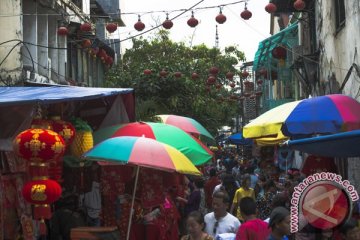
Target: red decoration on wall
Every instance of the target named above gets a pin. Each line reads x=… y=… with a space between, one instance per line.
x=270 y=8
x=62 y=31
x=192 y=22
x=220 y=18
x=111 y=27
x=85 y=27
x=139 y=26
x=39 y=145
x=167 y=24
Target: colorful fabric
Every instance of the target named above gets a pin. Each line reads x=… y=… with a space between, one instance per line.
x=150 y=188
x=209 y=188
x=255 y=229
x=316 y=164
x=263 y=203
x=240 y=194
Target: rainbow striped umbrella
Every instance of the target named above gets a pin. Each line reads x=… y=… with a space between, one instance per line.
x=319 y=115
x=141 y=152
x=188 y=125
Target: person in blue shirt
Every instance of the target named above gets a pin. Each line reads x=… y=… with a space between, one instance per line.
x=279 y=224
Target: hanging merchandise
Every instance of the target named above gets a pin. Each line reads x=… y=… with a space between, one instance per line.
x=83 y=140
x=285 y=158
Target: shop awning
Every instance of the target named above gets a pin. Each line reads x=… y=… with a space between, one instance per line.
x=336 y=145
x=238 y=139
x=54 y=94
x=287 y=37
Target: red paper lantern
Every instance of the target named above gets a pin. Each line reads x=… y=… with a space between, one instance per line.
x=41 y=191
x=232 y=85
x=109 y=60
x=64 y=129
x=41 y=123
x=163 y=73
x=259 y=82
x=244 y=74
x=111 y=27
x=279 y=52
x=86 y=43
x=220 y=18
x=229 y=75
x=167 y=24
x=147 y=71
x=246 y=14
x=299 y=5
x=214 y=70
x=39 y=145
x=218 y=86
x=177 y=74
x=139 y=26
x=270 y=8
x=211 y=80
x=194 y=76
x=192 y=22
x=85 y=27
x=63 y=31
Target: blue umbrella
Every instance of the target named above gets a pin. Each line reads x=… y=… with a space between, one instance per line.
x=238 y=139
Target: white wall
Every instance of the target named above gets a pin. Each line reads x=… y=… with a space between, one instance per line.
x=10 y=28
x=339 y=50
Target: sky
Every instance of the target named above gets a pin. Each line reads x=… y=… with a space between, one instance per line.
x=246 y=34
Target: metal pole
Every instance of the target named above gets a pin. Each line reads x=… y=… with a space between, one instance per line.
x=132 y=202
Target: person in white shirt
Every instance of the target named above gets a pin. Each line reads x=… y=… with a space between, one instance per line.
x=220 y=221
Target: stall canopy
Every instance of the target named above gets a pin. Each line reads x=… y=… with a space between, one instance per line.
x=336 y=145
x=238 y=139
x=99 y=107
x=286 y=37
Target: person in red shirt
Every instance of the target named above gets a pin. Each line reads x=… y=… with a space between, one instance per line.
x=253 y=228
x=209 y=187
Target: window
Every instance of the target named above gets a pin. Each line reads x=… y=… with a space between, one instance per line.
x=339 y=14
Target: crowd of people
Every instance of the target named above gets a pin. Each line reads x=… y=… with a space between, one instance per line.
x=248 y=200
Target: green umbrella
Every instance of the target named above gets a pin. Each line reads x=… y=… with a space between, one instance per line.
x=173 y=136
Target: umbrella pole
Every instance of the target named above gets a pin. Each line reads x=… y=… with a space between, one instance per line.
x=132 y=202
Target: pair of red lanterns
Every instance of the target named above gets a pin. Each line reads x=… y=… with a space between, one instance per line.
x=43 y=149
x=298 y=5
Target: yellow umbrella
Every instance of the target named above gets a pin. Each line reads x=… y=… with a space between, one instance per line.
x=271 y=141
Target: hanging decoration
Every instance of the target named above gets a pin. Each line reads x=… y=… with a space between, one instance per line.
x=109 y=61
x=299 y=5
x=279 y=52
x=246 y=14
x=62 y=31
x=65 y=129
x=230 y=75
x=167 y=24
x=192 y=22
x=259 y=82
x=211 y=80
x=244 y=74
x=85 y=27
x=163 y=73
x=220 y=18
x=147 y=71
x=232 y=85
x=83 y=140
x=177 y=74
x=111 y=27
x=214 y=70
x=86 y=43
x=270 y=7
x=194 y=76
x=139 y=26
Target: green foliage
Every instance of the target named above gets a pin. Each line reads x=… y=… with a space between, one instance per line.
x=178 y=95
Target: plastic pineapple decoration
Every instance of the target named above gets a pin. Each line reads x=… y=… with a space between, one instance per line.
x=83 y=140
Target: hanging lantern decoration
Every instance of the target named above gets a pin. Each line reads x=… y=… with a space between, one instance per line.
x=163 y=73
x=111 y=27
x=270 y=8
x=177 y=74
x=214 y=70
x=102 y=54
x=246 y=14
x=244 y=74
x=62 y=31
x=220 y=18
x=109 y=60
x=249 y=86
x=218 y=86
x=207 y=89
x=279 y=53
x=147 y=72
x=93 y=52
x=192 y=22
x=65 y=129
x=167 y=24
x=259 y=82
x=39 y=145
x=230 y=75
x=299 y=5
x=232 y=85
x=85 y=27
x=83 y=140
x=39 y=122
x=194 y=76
x=139 y=25
x=211 y=80
x=263 y=72
x=86 y=43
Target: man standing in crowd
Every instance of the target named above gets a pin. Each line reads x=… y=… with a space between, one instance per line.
x=220 y=221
